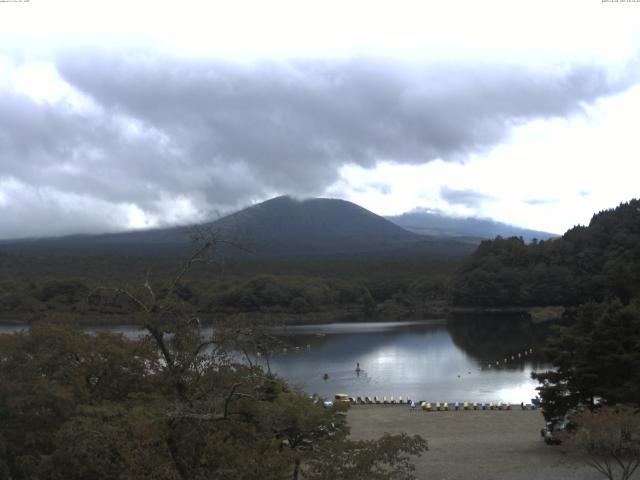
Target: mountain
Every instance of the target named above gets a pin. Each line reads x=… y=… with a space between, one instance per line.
x=280 y=227
x=434 y=223
x=312 y=226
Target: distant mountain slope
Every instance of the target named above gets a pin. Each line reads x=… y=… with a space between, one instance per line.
x=313 y=225
x=427 y=222
x=280 y=227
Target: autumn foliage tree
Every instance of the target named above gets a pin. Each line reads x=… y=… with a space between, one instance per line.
x=173 y=404
x=609 y=438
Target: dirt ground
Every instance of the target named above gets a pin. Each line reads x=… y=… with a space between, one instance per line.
x=476 y=445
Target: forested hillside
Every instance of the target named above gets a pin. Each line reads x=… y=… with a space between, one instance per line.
x=586 y=264
x=317 y=257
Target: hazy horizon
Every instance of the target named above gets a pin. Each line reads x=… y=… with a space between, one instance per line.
x=417 y=210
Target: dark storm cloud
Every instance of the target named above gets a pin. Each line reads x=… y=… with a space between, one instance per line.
x=467 y=198
x=222 y=134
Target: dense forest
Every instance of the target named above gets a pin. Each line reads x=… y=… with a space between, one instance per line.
x=587 y=263
x=318 y=258
x=82 y=287
x=596 y=269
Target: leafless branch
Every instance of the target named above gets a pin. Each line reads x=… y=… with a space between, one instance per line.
x=149 y=289
x=228 y=398
x=203 y=345
x=133 y=298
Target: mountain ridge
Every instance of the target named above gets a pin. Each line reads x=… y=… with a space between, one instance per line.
x=435 y=223
x=279 y=227
x=285 y=226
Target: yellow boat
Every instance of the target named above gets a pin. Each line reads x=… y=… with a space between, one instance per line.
x=341 y=399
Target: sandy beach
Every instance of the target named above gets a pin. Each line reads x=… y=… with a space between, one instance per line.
x=478 y=445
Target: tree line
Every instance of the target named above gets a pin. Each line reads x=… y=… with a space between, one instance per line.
x=228 y=294
x=586 y=264
x=593 y=393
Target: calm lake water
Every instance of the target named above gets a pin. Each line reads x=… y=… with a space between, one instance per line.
x=434 y=360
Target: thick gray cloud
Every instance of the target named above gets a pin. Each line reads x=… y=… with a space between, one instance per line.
x=467 y=198
x=220 y=135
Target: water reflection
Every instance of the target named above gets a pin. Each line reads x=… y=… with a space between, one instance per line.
x=11 y=328
x=493 y=338
x=418 y=359
x=433 y=360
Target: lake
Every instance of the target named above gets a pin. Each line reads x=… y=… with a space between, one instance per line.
x=434 y=360
x=422 y=359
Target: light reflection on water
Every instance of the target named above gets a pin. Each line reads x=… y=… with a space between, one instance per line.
x=415 y=359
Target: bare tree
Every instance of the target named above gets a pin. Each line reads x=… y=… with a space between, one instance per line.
x=609 y=439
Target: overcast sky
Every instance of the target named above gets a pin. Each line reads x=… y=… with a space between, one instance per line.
x=118 y=115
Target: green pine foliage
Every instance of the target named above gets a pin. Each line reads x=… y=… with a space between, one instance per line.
x=596 y=360
x=585 y=264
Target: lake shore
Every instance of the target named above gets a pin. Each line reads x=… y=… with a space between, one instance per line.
x=478 y=445
x=336 y=315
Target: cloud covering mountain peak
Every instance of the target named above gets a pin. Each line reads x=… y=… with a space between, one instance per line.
x=151 y=140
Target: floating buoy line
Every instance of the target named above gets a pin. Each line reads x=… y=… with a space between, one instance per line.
x=511 y=358
x=438 y=406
